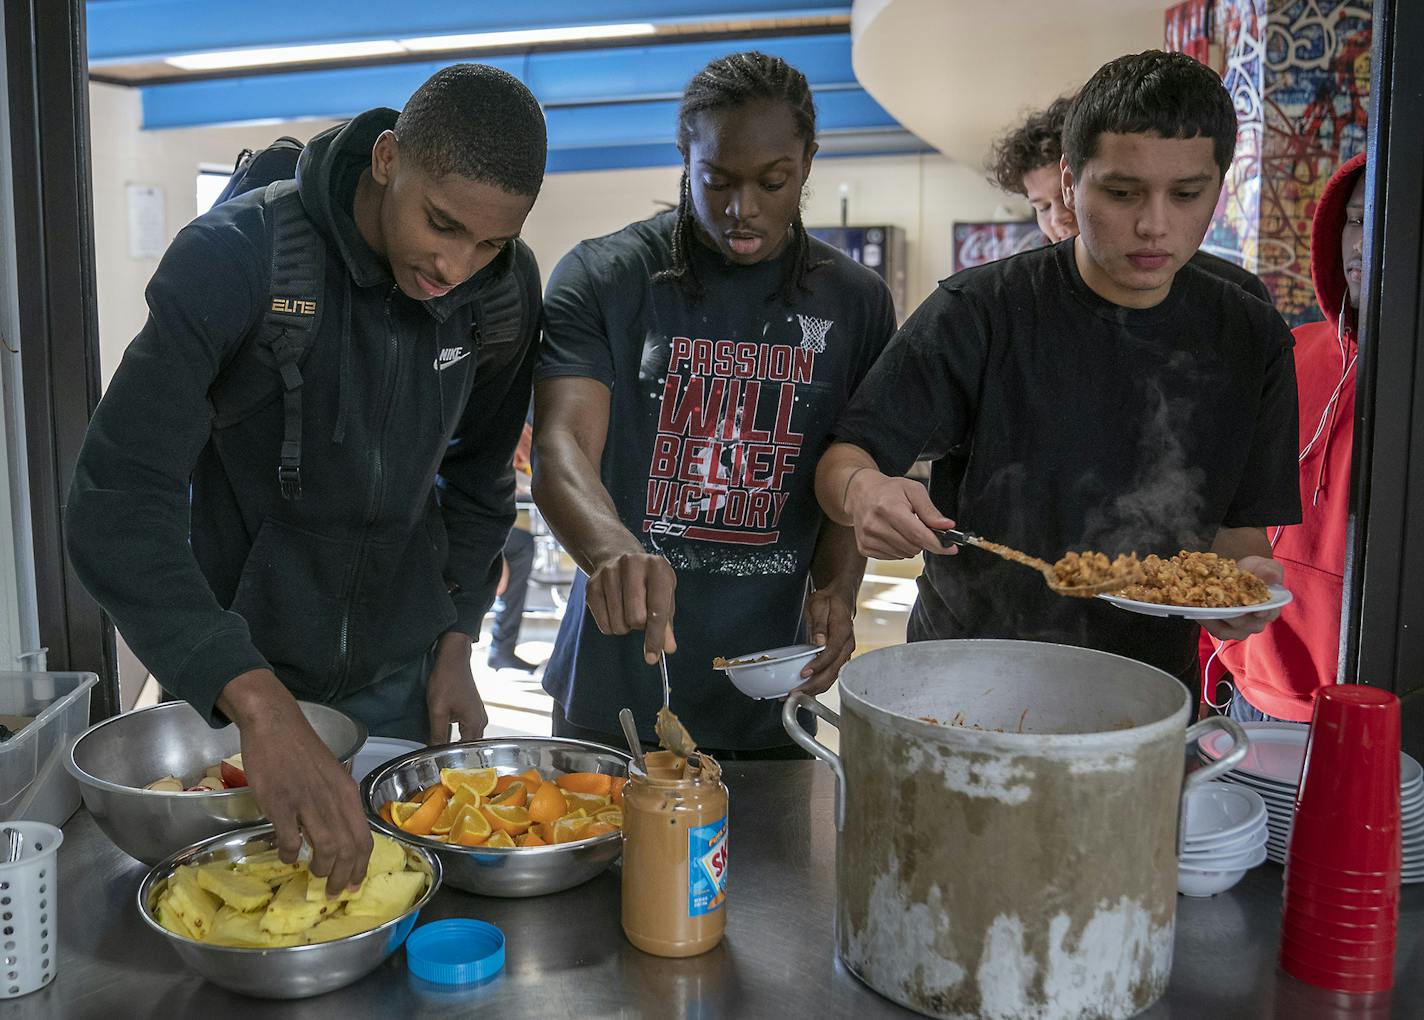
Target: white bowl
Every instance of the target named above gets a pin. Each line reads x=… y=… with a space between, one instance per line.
x=773 y=673
x=1191 y=882
x=376 y=751
x=1248 y=857
x=1255 y=836
x=1219 y=812
x=1194 y=881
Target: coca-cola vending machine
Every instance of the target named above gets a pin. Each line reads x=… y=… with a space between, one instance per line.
x=977 y=243
x=879 y=248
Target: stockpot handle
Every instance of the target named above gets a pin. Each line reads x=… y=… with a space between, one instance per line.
x=1240 y=743
x=793 y=703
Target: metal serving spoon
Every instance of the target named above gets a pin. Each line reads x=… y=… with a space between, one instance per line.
x=630 y=734
x=1043 y=567
x=671 y=733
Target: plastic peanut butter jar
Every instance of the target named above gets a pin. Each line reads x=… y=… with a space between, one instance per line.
x=675 y=855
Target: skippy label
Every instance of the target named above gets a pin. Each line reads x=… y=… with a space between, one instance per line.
x=707 y=867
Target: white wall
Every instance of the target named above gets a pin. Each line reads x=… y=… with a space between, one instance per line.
x=922 y=194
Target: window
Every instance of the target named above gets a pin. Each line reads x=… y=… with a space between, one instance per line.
x=209 y=185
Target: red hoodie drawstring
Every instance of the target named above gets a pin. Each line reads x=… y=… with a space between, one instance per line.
x=1346 y=338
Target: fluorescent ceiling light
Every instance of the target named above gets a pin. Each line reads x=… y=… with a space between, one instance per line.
x=480 y=40
x=219 y=59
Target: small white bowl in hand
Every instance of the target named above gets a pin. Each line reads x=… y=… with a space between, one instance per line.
x=773 y=673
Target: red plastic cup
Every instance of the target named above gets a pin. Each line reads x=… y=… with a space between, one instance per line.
x=1329 y=952
x=1299 y=924
x=1334 y=839
x=1381 y=963
x=1324 y=889
x=1380 y=883
x=1347 y=810
x=1344 y=856
x=1354 y=984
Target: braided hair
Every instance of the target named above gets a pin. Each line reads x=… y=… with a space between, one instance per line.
x=728 y=83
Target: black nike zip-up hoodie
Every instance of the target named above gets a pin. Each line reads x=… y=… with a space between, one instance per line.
x=411 y=412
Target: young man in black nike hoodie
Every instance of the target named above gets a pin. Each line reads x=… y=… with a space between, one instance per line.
x=366 y=589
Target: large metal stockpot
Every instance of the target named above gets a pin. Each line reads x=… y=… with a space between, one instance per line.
x=1008 y=822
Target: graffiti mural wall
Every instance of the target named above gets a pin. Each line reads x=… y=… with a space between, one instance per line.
x=1299 y=72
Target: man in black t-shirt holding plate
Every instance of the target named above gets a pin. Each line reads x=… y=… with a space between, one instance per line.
x=1097 y=394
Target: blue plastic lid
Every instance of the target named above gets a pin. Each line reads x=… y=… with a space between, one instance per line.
x=456 y=951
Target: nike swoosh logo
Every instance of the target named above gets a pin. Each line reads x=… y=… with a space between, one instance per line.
x=441 y=366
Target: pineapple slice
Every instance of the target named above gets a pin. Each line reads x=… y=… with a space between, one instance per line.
x=167 y=917
x=234 y=928
x=290 y=912
x=191 y=902
x=268 y=867
x=386 y=855
x=387 y=895
x=316 y=890
x=241 y=892
x=339 y=927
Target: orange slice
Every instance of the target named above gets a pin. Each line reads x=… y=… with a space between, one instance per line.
x=470 y=822
x=570 y=827
x=401 y=811
x=515 y=794
x=589 y=802
x=385 y=812
x=507 y=818
x=530 y=838
x=596 y=828
x=423 y=821
x=501 y=839
x=532 y=778
x=482 y=780
x=615 y=789
x=468 y=839
x=612 y=815
x=548 y=805
x=586 y=782
x=464 y=797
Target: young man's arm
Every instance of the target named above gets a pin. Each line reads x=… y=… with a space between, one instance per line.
x=926 y=384
x=1251 y=550
x=837 y=568
x=475 y=487
x=628 y=587
x=127 y=533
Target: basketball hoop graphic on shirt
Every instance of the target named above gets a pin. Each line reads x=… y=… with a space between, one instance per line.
x=813 y=332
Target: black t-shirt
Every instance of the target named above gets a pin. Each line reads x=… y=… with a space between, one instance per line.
x=1232 y=273
x=721 y=408
x=1068 y=422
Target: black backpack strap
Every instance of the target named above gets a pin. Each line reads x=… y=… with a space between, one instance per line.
x=286 y=333
x=298 y=272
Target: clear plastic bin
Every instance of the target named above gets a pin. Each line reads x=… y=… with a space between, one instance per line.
x=34 y=784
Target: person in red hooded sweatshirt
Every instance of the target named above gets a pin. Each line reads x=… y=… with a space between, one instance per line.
x=1277 y=672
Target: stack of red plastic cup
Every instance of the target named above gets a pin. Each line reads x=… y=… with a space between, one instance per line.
x=1341 y=908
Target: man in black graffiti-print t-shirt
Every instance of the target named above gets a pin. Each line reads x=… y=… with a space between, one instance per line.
x=720 y=409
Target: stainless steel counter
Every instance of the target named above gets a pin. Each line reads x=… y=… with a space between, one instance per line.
x=567 y=956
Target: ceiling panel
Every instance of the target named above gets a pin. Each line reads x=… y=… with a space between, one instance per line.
x=606 y=107
x=133 y=30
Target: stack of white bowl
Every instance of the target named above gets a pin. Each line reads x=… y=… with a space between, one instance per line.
x=1223 y=835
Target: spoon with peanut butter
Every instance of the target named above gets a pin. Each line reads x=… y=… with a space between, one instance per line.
x=671 y=733
x=1077 y=575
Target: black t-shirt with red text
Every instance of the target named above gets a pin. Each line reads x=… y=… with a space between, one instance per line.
x=721 y=406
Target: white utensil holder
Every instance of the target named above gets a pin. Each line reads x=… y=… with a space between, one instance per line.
x=29 y=915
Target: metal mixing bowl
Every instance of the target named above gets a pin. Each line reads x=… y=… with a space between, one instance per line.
x=294 y=972
x=502 y=871
x=113 y=761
